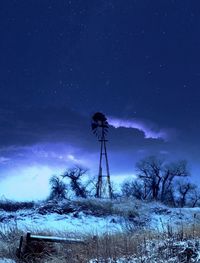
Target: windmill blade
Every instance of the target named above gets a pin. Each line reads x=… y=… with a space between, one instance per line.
x=94 y=125
x=95 y=132
x=106 y=127
x=105 y=131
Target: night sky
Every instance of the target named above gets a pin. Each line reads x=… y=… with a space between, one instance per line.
x=137 y=61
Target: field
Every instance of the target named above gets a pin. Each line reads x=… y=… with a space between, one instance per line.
x=123 y=230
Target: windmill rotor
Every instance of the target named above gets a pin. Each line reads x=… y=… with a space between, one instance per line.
x=100 y=125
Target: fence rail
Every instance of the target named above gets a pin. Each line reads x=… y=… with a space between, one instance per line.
x=38 y=238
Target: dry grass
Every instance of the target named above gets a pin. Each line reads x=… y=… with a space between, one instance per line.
x=126 y=208
x=144 y=246
x=98 y=207
x=99 y=247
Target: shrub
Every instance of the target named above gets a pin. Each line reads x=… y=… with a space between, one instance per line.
x=58 y=188
x=12 y=206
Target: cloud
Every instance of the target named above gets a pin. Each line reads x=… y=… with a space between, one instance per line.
x=22 y=126
x=26 y=183
x=148 y=129
x=4 y=160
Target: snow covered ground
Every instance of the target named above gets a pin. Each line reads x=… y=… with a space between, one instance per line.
x=7 y=260
x=149 y=215
x=124 y=216
x=81 y=224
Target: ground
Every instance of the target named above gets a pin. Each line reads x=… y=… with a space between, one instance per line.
x=87 y=217
x=151 y=230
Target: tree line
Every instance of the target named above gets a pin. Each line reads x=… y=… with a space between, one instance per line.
x=156 y=180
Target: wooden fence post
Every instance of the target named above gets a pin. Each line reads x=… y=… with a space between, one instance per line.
x=19 y=250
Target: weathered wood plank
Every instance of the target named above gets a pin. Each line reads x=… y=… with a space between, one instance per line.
x=31 y=237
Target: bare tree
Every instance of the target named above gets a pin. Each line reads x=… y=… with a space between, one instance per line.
x=126 y=188
x=149 y=171
x=184 y=188
x=75 y=175
x=170 y=172
x=158 y=177
x=134 y=188
x=58 y=188
x=194 y=197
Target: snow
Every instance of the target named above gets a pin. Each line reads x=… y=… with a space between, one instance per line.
x=7 y=260
x=162 y=251
x=66 y=223
x=154 y=216
x=174 y=217
x=78 y=223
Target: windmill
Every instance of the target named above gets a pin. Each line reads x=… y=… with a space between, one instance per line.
x=100 y=128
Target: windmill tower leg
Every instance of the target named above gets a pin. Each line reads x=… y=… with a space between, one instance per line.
x=108 y=173
x=100 y=180
x=107 y=183
x=99 y=185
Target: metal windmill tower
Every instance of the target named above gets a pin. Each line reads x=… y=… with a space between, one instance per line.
x=100 y=129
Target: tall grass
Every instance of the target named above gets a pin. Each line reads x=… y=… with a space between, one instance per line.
x=137 y=245
x=170 y=245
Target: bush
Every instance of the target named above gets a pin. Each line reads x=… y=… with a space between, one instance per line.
x=54 y=206
x=95 y=207
x=12 y=206
x=58 y=188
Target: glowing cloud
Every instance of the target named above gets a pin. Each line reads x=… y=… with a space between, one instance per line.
x=148 y=130
x=27 y=183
